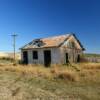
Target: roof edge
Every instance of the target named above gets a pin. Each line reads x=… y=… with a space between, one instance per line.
x=78 y=41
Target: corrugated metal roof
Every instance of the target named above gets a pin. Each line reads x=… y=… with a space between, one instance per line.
x=46 y=42
x=54 y=41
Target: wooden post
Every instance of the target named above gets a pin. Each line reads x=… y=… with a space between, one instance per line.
x=14 y=45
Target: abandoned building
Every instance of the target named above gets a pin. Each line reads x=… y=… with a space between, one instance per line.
x=53 y=50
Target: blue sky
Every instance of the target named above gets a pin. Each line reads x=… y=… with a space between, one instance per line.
x=42 y=18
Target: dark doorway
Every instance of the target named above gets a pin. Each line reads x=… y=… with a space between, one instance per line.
x=25 y=57
x=67 y=60
x=78 y=58
x=47 y=58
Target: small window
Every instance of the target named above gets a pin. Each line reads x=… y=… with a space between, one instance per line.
x=35 y=55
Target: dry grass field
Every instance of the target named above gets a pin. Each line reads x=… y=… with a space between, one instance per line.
x=9 y=55
x=58 y=82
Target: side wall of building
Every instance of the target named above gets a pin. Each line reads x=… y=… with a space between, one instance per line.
x=73 y=53
x=55 y=56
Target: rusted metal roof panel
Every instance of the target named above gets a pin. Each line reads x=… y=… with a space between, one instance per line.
x=46 y=42
x=54 y=41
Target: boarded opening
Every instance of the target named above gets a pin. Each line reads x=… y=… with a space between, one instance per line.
x=47 y=58
x=67 y=60
x=25 y=57
x=78 y=58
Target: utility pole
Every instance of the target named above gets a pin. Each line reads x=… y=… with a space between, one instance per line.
x=14 y=44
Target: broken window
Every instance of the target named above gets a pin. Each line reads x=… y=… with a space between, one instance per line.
x=71 y=44
x=38 y=42
x=35 y=55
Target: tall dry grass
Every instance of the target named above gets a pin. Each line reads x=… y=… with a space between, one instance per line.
x=55 y=71
x=52 y=72
x=87 y=66
x=91 y=66
x=26 y=69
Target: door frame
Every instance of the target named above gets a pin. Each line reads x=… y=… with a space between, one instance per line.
x=47 y=58
x=66 y=58
x=25 y=57
x=78 y=58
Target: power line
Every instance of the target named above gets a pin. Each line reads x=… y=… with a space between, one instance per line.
x=14 y=44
